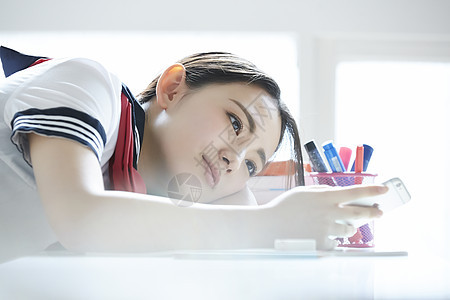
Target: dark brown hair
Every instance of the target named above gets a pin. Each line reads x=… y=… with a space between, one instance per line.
x=222 y=67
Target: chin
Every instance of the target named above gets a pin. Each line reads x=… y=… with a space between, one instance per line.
x=194 y=180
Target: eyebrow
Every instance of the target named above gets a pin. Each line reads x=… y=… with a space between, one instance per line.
x=250 y=119
x=262 y=155
x=251 y=122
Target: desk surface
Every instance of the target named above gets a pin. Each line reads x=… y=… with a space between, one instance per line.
x=59 y=275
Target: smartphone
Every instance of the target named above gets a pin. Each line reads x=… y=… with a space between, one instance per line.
x=395 y=197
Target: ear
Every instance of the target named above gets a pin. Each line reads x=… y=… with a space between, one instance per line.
x=171 y=86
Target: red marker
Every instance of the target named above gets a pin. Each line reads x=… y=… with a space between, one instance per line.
x=345 y=154
x=359 y=163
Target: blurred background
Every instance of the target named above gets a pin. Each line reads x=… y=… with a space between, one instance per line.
x=351 y=71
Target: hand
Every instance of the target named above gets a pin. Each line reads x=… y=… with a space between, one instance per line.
x=320 y=213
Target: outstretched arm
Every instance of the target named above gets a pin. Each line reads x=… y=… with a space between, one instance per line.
x=88 y=218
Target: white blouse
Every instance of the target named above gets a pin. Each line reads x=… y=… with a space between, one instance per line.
x=72 y=98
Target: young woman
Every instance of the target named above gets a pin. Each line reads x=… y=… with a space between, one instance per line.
x=84 y=163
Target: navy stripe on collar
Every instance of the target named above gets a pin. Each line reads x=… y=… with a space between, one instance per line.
x=138 y=117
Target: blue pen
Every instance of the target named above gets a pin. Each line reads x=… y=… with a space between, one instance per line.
x=335 y=162
x=367 y=155
x=317 y=162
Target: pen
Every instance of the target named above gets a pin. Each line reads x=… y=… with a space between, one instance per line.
x=317 y=162
x=333 y=158
x=345 y=154
x=367 y=156
x=359 y=160
x=359 y=163
x=308 y=168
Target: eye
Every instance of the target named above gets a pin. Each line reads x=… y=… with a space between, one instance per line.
x=235 y=122
x=251 y=166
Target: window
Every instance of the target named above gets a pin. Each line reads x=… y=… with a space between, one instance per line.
x=402 y=109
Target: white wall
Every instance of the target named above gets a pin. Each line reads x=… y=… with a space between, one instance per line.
x=313 y=16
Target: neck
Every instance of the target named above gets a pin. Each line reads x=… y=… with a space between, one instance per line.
x=152 y=164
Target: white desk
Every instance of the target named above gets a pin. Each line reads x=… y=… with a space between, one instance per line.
x=59 y=275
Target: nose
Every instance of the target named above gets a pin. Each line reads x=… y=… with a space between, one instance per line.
x=230 y=161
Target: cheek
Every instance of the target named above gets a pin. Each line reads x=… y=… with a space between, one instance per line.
x=202 y=131
x=190 y=125
x=191 y=136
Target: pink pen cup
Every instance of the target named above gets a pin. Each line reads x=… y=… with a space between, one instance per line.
x=364 y=237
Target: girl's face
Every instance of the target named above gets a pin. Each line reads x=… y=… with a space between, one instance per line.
x=220 y=135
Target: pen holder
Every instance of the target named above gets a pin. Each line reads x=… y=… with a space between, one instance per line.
x=364 y=237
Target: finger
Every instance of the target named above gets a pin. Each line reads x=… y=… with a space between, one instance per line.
x=342 y=230
x=349 y=212
x=347 y=194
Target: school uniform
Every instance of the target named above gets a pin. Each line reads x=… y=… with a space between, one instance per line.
x=70 y=98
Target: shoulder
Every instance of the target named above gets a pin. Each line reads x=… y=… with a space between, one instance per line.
x=85 y=73
x=77 y=96
x=63 y=73
x=79 y=83
x=75 y=65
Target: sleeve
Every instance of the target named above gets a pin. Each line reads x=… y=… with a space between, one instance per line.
x=75 y=99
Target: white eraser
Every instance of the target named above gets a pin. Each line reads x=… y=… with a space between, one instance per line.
x=295 y=244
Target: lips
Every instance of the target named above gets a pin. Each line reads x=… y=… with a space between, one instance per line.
x=212 y=173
